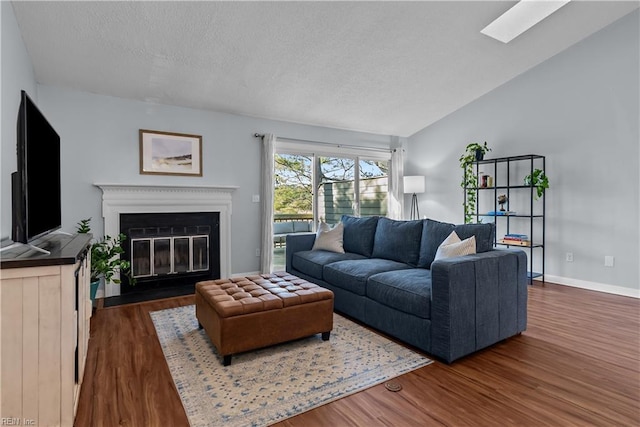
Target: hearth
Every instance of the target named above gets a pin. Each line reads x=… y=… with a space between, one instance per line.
x=170 y=249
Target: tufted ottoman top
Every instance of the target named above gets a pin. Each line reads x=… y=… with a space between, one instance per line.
x=251 y=294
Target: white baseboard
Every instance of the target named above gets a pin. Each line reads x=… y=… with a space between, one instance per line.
x=593 y=286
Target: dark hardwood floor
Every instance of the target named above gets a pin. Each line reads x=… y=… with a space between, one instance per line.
x=577 y=364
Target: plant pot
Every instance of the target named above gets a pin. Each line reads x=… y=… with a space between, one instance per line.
x=93 y=289
x=479 y=155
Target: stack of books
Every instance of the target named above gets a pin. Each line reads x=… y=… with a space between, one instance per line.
x=515 y=239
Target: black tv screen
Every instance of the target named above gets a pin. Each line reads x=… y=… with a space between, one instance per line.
x=36 y=184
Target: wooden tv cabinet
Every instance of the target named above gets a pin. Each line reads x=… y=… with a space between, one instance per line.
x=45 y=311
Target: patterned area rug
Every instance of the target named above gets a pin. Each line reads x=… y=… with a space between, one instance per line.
x=269 y=385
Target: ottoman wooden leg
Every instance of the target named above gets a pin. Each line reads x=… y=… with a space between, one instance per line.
x=226 y=360
x=325 y=336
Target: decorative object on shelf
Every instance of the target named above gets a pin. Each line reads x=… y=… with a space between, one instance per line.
x=501 y=213
x=484 y=178
x=169 y=153
x=105 y=258
x=473 y=152
x=515 y=239
x=539 y=180
x=414 y=184
x=502 y=199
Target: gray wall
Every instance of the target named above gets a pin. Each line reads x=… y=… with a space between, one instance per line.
x=17 y=75
x=580 y=109
x=99 y=137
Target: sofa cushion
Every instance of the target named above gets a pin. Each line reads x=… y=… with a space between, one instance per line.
x=359 y=234
x=434 y=233
x=312 y=262
x=407 y=290
x=353 y=275
x=329 y=239
x=484 y=233
x=398 y=240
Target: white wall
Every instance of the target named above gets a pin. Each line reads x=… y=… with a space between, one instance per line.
x=99 y=138
x=580 y=109
x=16 y=75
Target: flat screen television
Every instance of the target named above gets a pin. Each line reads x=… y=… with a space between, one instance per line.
x=36 y=204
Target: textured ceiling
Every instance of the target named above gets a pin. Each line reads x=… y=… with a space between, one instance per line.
x=382 y=67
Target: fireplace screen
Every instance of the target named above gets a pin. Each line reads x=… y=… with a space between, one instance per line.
x=170 y=252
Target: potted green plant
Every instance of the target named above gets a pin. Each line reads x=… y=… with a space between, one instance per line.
x=538 y=180
x=105 y=258
x=473 y=152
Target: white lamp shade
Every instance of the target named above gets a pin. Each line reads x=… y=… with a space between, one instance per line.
x=414 y=184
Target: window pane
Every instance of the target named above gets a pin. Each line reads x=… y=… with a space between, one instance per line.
x=374 y=187
x=293 y=188
x=292 y=201
x=336 y=192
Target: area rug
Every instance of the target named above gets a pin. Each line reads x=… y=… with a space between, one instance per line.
x=265 y=386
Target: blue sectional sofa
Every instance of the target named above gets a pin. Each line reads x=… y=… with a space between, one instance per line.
x=388 y=279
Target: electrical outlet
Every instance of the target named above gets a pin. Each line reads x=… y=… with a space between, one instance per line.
x=569 y=256
x=608 y=261
x=257 y=251
x=255 y=198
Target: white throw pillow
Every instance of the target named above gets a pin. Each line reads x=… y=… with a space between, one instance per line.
x=329 y=239
x=453 y=246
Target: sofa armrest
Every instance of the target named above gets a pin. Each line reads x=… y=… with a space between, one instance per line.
x=298 y=242
x=477 y=300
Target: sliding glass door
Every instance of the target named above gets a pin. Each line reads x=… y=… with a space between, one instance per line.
x=312 y=187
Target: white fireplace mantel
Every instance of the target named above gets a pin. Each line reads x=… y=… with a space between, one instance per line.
x=137 y=198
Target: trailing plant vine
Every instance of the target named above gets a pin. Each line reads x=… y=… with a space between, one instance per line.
x=473 y=152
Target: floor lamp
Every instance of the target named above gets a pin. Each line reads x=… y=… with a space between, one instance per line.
x=414 y=185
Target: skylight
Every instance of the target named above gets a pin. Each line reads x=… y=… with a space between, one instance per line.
x=524 y=15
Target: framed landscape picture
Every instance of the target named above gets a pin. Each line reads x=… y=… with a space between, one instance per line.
x=168 y=153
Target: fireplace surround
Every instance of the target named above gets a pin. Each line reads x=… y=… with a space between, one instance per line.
x=118 y=199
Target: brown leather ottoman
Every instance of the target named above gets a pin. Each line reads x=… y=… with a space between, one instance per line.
x=247 y=313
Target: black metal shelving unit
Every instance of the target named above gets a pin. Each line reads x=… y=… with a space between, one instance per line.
x=508 y=178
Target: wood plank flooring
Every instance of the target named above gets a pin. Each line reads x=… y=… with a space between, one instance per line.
x=577 y=364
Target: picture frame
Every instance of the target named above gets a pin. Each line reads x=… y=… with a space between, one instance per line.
x=170 y=153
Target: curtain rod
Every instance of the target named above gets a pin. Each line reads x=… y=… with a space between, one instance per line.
x=358 y=147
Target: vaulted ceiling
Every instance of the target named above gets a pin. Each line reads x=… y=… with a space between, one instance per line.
x=383 y=67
